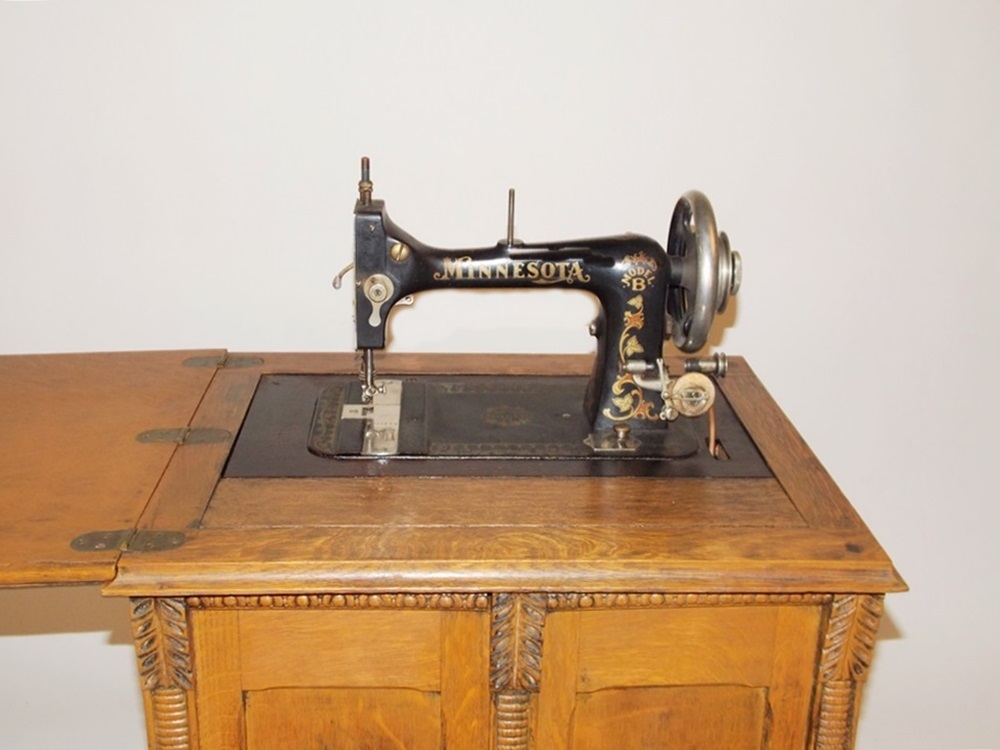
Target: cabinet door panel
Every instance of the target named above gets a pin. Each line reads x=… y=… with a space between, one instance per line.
x=695 y=718
x=698 y=646
x=692 y=677
x=341 y=649
x=342 y=678
x=323 y=719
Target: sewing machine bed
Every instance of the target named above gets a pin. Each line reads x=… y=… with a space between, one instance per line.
x=468 y=425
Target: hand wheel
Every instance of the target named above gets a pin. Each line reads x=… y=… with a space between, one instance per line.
x=704 y=272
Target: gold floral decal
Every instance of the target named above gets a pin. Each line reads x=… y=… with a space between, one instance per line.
x=641 y=272
x=628 y=398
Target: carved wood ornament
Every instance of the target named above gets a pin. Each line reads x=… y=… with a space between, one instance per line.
x=444 y=600
x=846 y=656
x=516 y=629
x=645 y=600
x=163 y=651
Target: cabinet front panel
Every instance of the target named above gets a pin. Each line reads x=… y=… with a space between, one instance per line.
x=318 y=719
x=695 y=718
x=678 y=646
x=341 y=649
x=693 y=677
x=352 y=678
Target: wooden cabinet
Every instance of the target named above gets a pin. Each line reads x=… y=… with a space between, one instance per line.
x=315 y=671
x=429 y=612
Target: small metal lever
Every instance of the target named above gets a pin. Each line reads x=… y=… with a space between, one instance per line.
x=338 y=280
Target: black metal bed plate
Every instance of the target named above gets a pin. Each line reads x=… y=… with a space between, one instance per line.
x=468 y=425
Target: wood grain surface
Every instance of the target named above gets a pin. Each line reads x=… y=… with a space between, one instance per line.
x=479 y=533
x=69 y=459
x=514 y=613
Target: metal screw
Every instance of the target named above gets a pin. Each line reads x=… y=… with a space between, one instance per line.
x=399 y=252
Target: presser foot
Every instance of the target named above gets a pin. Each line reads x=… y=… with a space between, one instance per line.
x=379 y=418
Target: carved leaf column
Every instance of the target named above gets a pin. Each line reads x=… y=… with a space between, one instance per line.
x=162 y=647
x=517 y=625
x=848 y=649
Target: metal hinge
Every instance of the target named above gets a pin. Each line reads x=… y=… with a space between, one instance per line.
x=223 y=360
x=130 y=540
x=185 y=435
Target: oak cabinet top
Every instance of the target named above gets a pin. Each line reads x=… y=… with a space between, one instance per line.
x=111 y=470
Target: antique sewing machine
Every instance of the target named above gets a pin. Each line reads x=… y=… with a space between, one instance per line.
x=543 y=558
x=624 y=418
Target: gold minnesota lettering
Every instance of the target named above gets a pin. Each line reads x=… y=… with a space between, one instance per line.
x=537 y=272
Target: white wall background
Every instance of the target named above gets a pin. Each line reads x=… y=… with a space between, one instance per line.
x=182 y=174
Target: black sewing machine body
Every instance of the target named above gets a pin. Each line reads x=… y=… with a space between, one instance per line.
x=627 y=409
x=629 y=274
